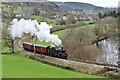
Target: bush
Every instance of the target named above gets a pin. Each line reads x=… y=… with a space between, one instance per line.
x=112 y=74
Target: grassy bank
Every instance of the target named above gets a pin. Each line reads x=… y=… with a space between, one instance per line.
x=17 y=66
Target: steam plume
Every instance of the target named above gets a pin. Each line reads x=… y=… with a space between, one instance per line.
x=42 y=31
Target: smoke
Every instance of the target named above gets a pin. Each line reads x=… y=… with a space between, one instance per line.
x=44 y=34
x=18 y=28
x=42 y=31
x=15 y=29
x=30 y=27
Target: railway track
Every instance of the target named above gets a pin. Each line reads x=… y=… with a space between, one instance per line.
x=17 y=44
x=109 y=66
x=112 y=66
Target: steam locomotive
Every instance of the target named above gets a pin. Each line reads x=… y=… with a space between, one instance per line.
x=45 y=50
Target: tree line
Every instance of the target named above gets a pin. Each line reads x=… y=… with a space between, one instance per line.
x=108 y=14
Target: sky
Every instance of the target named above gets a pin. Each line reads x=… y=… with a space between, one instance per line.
x=102 y=3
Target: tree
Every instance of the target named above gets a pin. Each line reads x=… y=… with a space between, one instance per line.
x=100 y=15
x=6 y=40
x=77 y=42
x=36 y=11
x=118 y=42
x=107 y=27
x=59 y=21
x=114 y=14
x=105 y=15
x=62 y=22
x=70 y=19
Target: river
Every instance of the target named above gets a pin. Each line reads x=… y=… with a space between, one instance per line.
x=109 y=48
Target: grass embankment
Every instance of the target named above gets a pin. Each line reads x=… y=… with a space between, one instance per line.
x=17 y=66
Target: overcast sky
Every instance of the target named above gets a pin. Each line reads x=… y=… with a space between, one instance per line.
x=103 y=3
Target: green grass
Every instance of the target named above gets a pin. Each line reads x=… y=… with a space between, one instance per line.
x=43 y=43
x=17 y=66
x=6 y=8
x=41 y=19
x=0 y=66
x=60 y=33
x=5 y=49
x=18 y=10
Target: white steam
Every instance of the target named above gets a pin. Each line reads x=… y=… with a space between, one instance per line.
x=44 y=34
x=18 y=28
x=42 y=31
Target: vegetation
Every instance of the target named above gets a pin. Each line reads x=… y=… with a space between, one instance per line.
x=59 y=21
x=76 y=35
x=70 y=19
x=18 y=10
x=41 y=19
x=21 y=67
x=68 y=26
x=81 y=48
x=107 y=27
x=65 y=20
x=6 y=40
x=0 y=66
x=43 y=43
x=61 y=33
x=108 y=14
x=6 y=8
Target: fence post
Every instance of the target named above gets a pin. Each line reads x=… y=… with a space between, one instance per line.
x=13 y=46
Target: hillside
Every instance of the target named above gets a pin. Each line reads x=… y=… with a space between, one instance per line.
x=40 y=6
x=78 y=6
x=56 y=6
x=21 y=67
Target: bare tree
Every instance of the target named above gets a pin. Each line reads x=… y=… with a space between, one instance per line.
x=78 y=44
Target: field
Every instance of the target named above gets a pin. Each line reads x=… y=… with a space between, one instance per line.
x=17 y=66
x=41 y=19
x=60 y=33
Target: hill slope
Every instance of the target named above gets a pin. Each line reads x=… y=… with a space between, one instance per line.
x=78 y=6
x=17 y=66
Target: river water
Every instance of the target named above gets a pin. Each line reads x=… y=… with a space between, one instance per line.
x=109 y=48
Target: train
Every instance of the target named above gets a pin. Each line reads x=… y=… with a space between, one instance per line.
x=46 y=50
